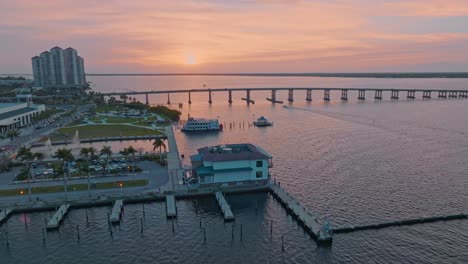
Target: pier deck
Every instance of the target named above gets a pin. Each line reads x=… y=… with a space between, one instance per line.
x=225 y=208
x=116 y=211
x=171 y=210
x=57 y=218
x=4 y=214
x=309 y=222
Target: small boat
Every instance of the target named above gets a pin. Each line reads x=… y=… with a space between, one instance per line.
x=201 y=124
x=262 y=122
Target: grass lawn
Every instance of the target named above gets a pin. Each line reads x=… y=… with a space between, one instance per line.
x=116 y=119
x=93 y=131
x=107 y=107
x=74 y=187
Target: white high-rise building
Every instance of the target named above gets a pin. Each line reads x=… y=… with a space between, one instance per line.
x=48 y=68
x=81 y=72
x=59 y=60
x=59 y=68
x=71 y=66
x=37 y=71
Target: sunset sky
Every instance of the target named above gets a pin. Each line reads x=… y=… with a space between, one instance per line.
x=122 y=36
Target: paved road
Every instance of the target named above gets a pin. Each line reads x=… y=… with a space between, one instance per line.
x=29 y=134
x=153 y=172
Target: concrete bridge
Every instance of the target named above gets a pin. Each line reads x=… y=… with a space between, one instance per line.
x=375 y=93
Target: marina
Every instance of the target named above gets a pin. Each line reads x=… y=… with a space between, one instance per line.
x=116 y=211
x=225 y=208
x=58 y=217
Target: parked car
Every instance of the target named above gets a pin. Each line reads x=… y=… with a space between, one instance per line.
x=72 y=170
x=98 y=168
x=38 y=173
x=34 y=165
x=123 y=165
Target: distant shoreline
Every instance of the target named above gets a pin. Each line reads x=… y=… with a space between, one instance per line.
x=299 y=74
x=341 y=75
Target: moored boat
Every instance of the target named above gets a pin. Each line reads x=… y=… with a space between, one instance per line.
x=202 y=124
x=262 y=122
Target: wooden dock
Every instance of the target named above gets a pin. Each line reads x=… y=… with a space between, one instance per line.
x=116 y=212
x=4 y=214
x=225 y=208
x=57 y=218
x=310 y=223
x=414 y=221
x=171 y=210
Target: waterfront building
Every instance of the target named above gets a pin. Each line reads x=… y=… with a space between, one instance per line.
x=20 y=114
x=229 y=163
x=59 y=68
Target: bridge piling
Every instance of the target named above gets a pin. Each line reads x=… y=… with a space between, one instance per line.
x=426 y=95
x=209 y=96
x=395 y=95
x=410 y=94
x=344 y=95
x=168 y=99
x=442 y=94
x=362 y=95
x=326 y=95
x=147 y=101
x=189 y=98
x=309 y=95
x=378 y=95
x=273 y=97
x=230 y=97
x=290 y=95
x=453 y=94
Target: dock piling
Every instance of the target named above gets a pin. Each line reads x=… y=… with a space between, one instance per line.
x=78 y=232
x=43 y=236
x=141 y=225
x=326 y=95
x=241 y=233
x=282 y=243
x=309 y=95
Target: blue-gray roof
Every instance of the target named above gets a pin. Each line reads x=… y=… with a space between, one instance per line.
x=17 y=112
x=233 y=152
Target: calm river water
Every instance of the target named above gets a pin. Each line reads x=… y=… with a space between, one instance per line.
x=353 y=163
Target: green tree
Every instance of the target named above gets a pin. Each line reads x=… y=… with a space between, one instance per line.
x=65 y=155
x=87 y=154
x=159 y=143
x=107 y=151
x=12 y=134
x=132 y=151
x=26 y=155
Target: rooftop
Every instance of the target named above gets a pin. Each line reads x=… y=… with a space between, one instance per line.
x=6 y=105
x=232 y=152
x=16 y=112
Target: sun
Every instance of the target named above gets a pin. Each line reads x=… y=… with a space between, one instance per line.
x=190 y=59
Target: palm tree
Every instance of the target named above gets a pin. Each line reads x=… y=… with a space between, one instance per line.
x=66 y=156
x=13 y=134
x=131 y=151
x=25 y=155
x=106 y=150
x=87 y=154
x=159 y=143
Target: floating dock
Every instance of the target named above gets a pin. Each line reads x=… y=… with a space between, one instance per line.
x=310 y=223
x=225 y=208
x=57 y=218
x=4 y=214
x=116 y=211
x=171 y=210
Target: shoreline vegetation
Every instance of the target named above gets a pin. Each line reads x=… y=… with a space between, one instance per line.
x=308 y=74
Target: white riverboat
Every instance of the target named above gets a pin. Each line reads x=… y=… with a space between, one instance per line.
x=262 y=122
x=201 y=124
